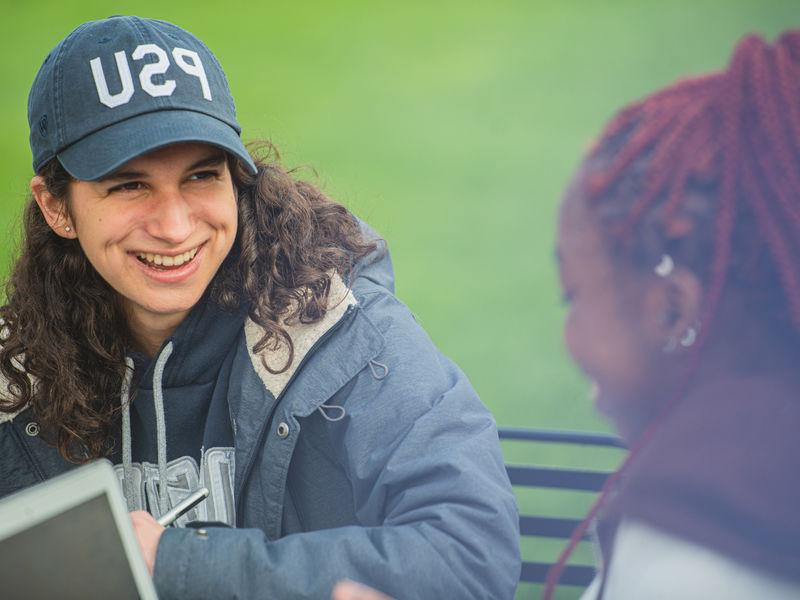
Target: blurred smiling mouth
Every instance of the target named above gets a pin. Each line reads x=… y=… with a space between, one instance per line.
x=164 y=262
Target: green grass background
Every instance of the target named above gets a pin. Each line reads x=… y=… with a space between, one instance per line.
x=452 y=127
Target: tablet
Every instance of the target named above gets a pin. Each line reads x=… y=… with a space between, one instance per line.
x=71 y=537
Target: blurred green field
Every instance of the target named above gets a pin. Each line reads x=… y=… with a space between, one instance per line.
x=451 y=126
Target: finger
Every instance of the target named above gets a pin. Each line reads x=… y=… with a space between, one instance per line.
x=350 y=590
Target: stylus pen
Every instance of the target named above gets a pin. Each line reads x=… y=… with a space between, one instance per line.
x=182 y=507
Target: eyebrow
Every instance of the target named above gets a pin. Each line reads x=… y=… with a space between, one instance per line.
x=121 y=175
x=209 y=161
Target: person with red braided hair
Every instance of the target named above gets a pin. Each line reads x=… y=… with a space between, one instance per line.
x=679 y=255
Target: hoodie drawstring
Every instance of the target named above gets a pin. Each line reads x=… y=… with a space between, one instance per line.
x=161 y=428
x=161 y=431
x=127 y=462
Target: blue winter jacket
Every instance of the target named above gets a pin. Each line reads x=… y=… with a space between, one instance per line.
x=371 y=458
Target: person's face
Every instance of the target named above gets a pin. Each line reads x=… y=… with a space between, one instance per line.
x=158 y=228
x=605 y=328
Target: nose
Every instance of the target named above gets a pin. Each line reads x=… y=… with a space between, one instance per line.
x=171 y=219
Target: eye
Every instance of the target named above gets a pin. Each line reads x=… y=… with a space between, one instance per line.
x=203 y=176
x=128 y=186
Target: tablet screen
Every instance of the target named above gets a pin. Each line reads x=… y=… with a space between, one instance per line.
x=75 y=554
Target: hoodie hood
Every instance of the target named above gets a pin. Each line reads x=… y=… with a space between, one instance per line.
x=197 y=344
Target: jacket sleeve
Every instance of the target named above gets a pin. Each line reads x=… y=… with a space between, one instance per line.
x=437 y=516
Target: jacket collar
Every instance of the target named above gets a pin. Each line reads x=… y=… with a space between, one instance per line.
x=346 y=354
x=6 y=394
x=4 y=416
x=303 y=336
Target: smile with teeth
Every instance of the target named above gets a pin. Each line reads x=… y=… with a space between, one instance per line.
x=162 y=260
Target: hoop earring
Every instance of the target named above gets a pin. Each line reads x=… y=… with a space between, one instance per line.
x=687 y=340
x=689 y=337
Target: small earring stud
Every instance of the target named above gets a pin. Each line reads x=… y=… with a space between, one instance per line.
x=67 y=228
x=665 y=267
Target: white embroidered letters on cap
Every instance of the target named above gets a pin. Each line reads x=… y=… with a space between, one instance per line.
x=192 y=68
x=157 y=68
x=122 y=97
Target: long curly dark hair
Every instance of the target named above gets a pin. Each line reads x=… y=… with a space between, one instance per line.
x=64 y=335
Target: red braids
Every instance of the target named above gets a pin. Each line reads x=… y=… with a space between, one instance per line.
x=735 y=136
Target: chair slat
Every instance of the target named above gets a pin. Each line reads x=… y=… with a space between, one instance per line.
x=579 y=575
x=551 y=527
x=560 y=437
x=561 y=478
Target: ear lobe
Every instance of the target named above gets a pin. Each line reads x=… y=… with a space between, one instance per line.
x=53 y=209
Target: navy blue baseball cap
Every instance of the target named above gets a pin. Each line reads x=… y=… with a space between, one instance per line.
x=115 y=89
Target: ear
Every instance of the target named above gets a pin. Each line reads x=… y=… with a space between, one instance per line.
x=673 y=306
x=53 y=209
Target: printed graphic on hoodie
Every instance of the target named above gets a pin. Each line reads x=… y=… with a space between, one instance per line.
x=183 y=477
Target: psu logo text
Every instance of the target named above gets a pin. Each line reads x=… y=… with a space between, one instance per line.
x=187 y=60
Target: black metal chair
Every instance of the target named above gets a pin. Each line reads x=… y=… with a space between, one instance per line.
x=564 y=478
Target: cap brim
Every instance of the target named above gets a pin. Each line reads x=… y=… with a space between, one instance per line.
x=104 y=151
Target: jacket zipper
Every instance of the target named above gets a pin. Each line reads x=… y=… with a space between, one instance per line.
x=265 y=425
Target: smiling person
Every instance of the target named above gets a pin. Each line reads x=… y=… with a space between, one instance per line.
x=199 y=317
x=679 y=256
